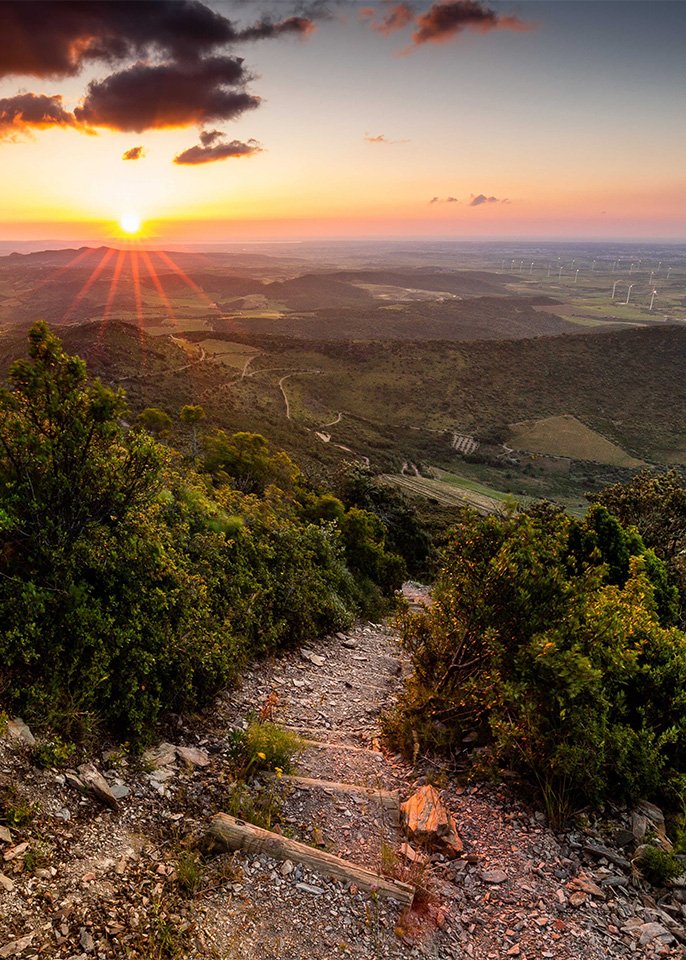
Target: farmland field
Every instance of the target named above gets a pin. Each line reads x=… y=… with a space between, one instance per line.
x=565 y=436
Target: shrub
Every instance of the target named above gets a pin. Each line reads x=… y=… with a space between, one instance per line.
x=129 y=585
x=545 y=640
x=658 y=865
x=270 y=747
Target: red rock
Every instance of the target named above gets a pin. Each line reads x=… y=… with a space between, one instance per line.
x=428 y=821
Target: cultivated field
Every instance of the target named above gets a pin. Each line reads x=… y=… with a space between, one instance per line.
x=565 y=436
x=447 y=494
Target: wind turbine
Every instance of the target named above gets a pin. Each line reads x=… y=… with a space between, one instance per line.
x=652 y=299
x=614 y=287
x=628 y=293
x=576 y=275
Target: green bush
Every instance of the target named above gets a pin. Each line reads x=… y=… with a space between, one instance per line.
x=130 y=586
x=270 y=747
x=658 y=865
x=545 y=641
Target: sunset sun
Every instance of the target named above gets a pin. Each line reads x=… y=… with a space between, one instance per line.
x=130 y=223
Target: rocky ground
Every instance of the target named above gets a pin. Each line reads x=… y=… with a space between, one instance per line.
x=106 y=868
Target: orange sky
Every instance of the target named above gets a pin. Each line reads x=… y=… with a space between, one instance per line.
x=560 y=131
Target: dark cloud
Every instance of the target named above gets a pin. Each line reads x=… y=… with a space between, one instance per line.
x=444 y=20
x=167 y=59
x=42 y=38
x=446 y=200
x=46 y=39
x=395 y=17
x=135 y=153
x=213 y=147
x=208 y=137
x=481 y=198
x=29 y=111
x=266 y=28
x=145 y=97
x=382 y=138
x=435 y=200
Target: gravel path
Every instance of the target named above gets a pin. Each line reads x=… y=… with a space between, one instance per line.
x=103 y=883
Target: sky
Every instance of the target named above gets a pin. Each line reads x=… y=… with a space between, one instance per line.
x=249 y=120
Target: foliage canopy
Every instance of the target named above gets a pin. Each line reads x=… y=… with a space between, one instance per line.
x=131 y=585
x=552 y=641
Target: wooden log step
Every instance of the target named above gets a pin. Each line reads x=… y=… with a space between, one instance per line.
x=311 y=736
x=349 y=748
x=235 y=834
x=389 y=799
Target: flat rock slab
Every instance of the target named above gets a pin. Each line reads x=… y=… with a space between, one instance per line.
x=192 y=756
x=18 y=730
x=163 y=755
x=16 y=947
x=97 y=785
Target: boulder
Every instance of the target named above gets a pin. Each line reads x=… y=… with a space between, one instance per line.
x=18 y=730
x=428 y=822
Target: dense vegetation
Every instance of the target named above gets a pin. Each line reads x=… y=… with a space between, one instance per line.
x=135 y=580
x=554 y=645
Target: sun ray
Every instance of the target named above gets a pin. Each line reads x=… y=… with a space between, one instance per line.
x=136 y=278
x=199 y=292
x=157 y=283
x=60 y=271
x=114 y=283
x=95 y=273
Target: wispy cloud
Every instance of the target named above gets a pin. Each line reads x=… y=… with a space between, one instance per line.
x=445 y=20
x=444 y=200
x=213 y=147
x=439 y=22
x=477 y=200
x=382 y=138
x=393 y=17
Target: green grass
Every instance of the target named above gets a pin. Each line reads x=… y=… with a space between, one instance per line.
x=471 y=485
x=565 y=436
x=446 y=494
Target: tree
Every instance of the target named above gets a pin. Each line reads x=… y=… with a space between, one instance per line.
x=66 y=465
x=654 y=503
x=191 y=415
x=247 y=459
x=406 y=535
x=155 y=421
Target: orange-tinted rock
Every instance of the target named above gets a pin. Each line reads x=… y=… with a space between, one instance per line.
x=428 y=822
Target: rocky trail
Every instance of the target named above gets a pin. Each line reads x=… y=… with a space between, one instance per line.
x=105 y=866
